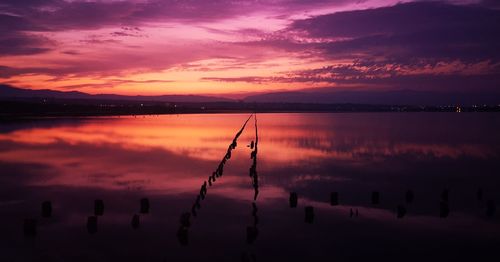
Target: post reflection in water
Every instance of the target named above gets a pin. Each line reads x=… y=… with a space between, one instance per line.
x=182 y=233
x=253 y=168
x=435 y=179
x=252 y=230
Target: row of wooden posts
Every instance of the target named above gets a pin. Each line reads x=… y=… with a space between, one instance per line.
x=185 y=218
x=30 y=225
x=401 y=211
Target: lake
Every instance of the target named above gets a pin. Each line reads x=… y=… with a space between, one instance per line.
x=439 y=172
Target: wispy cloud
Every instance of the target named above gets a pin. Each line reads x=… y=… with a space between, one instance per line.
x=279 y=44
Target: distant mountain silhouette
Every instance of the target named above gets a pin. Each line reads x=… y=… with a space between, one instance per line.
x=397 y=97
x=304 y=96
x=9 y=92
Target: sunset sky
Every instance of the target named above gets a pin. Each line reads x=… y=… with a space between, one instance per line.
x=241 y=47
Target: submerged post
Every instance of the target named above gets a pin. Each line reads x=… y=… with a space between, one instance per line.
x=98 y=207
x=309 y=210
x=135 y=221
x=92 y=224
x=144 y=206
x=334 y=198
x=30 y=227
x=375 y=197
x=293 y=199
x=46 y=209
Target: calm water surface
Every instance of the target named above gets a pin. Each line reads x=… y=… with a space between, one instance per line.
x=167 y=158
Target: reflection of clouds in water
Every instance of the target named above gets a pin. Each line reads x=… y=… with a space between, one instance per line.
x=196 y=138
x=374 y=136
x=102 y=166
x=10 y=202
x=313 y=153
x=81 y=156
x=185 y=144
x=316 y=177
x=428 y=221
x=326 y=136
x=303 y=148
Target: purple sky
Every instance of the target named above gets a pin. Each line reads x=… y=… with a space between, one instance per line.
x=227 y=47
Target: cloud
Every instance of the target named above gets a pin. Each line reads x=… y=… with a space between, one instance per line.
x=429 y=30
x=71 y=52
x=16 y=37
x=19 y=43
x=491 y=3
x=113 y=82
x=10 y=23
x=63 y=15
x=388 y=45
x=429 y=77
x=418 y=45
x=247 y=79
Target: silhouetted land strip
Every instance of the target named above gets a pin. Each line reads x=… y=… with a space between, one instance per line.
x=36 y=107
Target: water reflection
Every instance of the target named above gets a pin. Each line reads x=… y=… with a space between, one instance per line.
x=92 y=224
x=309 y=214
x=252 y=230
x=182 y=233
x=253 y=156
x=144 y=206
x=135 y=221
x=30 y=227
x=293 y=199
x=421 y=166
x=46 y=209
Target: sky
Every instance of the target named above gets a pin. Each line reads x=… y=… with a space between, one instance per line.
x=243 y=47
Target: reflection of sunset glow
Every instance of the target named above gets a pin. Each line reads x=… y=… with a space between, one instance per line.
x=176 y=134
x=168 y=158
x=175 y=152
x=204 y=139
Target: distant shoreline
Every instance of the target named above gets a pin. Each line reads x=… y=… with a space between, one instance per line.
x=17 y=117
x=89 y=108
